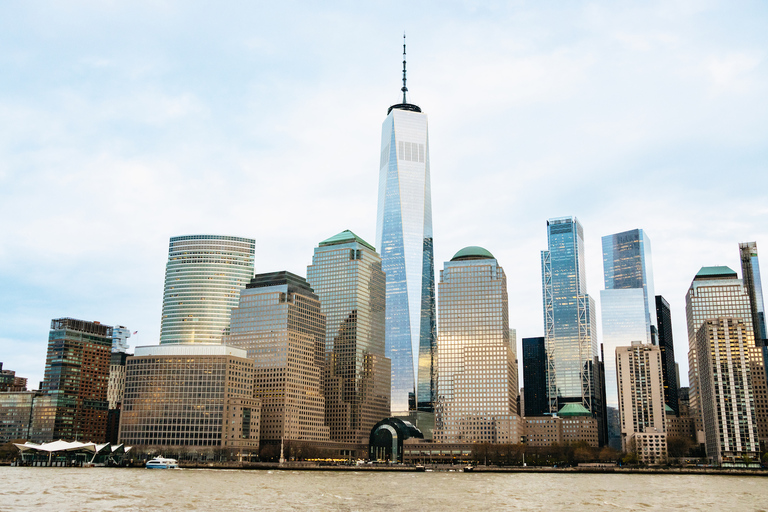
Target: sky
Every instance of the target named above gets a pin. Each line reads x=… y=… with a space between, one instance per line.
x=125 y=123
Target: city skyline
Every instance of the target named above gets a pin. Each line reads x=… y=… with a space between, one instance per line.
x=638 y=110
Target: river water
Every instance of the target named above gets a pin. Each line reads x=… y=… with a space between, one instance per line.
x=91 y=489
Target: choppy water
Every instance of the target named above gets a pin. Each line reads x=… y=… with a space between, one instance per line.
x=59 y=489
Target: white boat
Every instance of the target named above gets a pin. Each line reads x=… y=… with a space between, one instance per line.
x=162 y=463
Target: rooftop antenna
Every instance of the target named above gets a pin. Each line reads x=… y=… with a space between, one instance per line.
x=404 y=89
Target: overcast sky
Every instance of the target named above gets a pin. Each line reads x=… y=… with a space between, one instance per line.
x=125 y=123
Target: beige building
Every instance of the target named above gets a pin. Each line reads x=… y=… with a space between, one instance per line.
x=476 y=384
x=726 y=394
x=573 y=424
x=190 y=394
x=716 y=292
x=346 y=275
x=280 y=325
x=642 y=412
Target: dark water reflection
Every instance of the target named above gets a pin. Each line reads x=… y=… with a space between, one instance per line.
x=58 y=489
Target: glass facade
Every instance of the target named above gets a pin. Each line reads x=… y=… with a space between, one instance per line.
x=667 y=346
x=347 y=277
x=569 y=318
x=627 y=265
x=404 y=237
x=477 y=384
x=279 y=323
x=535 y=377
x=750 y=272
x=76 y=379
x=203 y=279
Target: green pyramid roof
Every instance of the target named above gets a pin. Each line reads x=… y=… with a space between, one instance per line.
x=573 y=410
x=346 y=237
x=717 y=271
x=472 y=253
x=669 y=410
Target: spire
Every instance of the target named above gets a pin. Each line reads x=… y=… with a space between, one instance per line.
x=404 y=89
x=404 y=105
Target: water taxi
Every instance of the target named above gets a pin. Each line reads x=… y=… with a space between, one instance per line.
x=162 y=463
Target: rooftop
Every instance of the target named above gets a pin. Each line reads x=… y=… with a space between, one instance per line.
x=472 y=253
x=716 y=272
x=346 y=237
x=573 y=410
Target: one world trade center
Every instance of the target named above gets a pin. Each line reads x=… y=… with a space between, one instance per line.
x=404 y=238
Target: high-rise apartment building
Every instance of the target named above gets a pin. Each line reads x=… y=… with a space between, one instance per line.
x=190 y=394
x=726 y=395
x=120 y=335
x=404 y=237
x=76 y=379
x=667 y=346
x=203 y=279
x=641 y=401
x=535 y=377
x=279 y=323
x=627 y=303
x=346 y=275
x=569 y=318
x=477 y=388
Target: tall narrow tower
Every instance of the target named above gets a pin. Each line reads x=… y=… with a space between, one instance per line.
x=404 y=237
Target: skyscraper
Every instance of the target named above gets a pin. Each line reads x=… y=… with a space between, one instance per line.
x=535 y=377
x=750 y=272
x=716 y=292
x=346 y=275
x=404 y=237
x=76 y=379
x=477 y=384
x=641 y=400
x=667 y=346
x=203 y=279
x=569 y=318
x=627 y=302
x=726 y=395
x=279 y=323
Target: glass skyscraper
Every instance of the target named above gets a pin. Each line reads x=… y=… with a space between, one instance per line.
x=203 y=280
x=535 y=377
x=628 y=301
x=667 y=346
x=477 y=384
x=569 y=319
x=346 y=275
x=404 y=237
x=750 y=272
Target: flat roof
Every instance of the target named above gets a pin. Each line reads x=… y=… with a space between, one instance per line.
x=190 y=349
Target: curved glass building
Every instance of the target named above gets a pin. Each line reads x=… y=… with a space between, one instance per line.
x=404 y=237
x=203 y=279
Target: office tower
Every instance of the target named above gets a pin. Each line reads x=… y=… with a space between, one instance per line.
x=641 y=401
x=627 y=314
x=76 y=378
x=750 y=272
x=569 y=318
x=535 y=377
x=572 y=424
x=477 y=397
x=726 y=396
x=120 y=335
x=279 y=323
x=346 y=275
x=716 y=292
x=190 y=394
x=203 y=279
x=667 y=346
x=404 y=237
